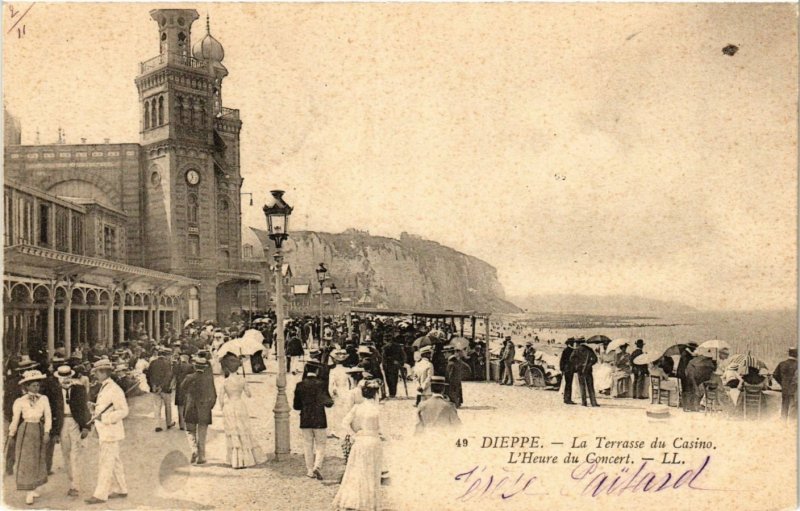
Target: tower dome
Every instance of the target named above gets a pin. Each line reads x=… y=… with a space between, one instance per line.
x=208 y=48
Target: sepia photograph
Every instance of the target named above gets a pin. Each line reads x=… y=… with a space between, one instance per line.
x=400 y=256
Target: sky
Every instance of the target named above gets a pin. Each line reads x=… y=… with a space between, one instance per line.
x=592 y=149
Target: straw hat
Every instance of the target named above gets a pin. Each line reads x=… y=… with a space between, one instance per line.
x=31 y=375
x=103 y=364
x=64 y=372
x=26 y=363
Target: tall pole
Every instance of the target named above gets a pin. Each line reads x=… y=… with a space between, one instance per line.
x=321 y=286
x=281 y=410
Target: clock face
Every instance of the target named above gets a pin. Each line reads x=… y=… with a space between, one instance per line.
x=192 y=177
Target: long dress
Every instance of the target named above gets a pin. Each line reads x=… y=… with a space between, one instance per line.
x=361 y=484
x=339 y=383
x=31 y=420
x=241 y=448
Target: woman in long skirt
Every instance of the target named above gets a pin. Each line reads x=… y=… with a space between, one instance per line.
x=30 y=427
x=361 y=485
x=242 y=451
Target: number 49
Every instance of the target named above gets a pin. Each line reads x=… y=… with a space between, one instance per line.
x=462 y=442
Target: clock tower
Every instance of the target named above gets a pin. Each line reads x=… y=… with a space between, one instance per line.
x=190 y=147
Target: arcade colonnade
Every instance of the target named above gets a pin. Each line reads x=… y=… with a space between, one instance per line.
x=66 y=312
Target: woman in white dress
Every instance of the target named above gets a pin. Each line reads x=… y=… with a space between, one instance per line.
x=339 y=383
x=361 y=485
x=242 y=451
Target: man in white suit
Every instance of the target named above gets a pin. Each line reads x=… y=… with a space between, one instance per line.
x=110 y=409
x=423 y=370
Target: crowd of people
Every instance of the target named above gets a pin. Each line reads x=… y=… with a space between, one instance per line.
x=345 y=370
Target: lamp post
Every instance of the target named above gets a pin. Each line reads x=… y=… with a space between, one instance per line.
x=277 y=214
x=334 y=297
x=322 y=274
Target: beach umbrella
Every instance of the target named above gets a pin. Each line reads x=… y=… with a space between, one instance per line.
x=598 y=339
x=646 y=358
x=459 y=343
x=675 y=350
x=715 y=344
x=421 y=342
x=744 y=361
x=241 y=347
x=616 y=343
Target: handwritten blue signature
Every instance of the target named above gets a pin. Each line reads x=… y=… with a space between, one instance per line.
x=480 y=484
x=592 y=480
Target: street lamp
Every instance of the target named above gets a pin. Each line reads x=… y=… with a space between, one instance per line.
x=334 y=297
x=277 y=214
x=321 y=276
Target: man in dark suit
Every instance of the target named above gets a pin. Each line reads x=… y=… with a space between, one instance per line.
x=51 y=388
x=200 y=398
x=686 y=355
x=181 y=370
x=161 y=381
x=786 y=376
x=310 y=399
x=566 y=370
x=76 y=425
x=582 y=360
x=640 y=373
x=394 y=358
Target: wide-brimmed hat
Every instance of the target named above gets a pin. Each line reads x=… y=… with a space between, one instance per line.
x=438 y=380
x=31 y=375
x=64 y=372
x=364 y=350
x=26 y=363
x=103 y=364
x=356 y=369
x=425 y=350
x=339 y=355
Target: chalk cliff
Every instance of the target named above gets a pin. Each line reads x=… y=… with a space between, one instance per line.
x=407 y=273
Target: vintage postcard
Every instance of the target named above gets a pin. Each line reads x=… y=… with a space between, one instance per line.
x=400 y=256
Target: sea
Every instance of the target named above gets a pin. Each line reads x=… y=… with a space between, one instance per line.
x=765 y=334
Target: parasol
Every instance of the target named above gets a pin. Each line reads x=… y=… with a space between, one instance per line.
x=422 y=342
x=646 y=358
x=616 y=343
x=715 y=344
x=598 y=339
x=744 y=361
x=240 y=347
x=675 y=350
x=253 y=334
x=459 y=343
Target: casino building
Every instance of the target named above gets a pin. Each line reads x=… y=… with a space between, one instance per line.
x=100 y=238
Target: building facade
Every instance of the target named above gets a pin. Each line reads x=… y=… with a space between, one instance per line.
x=102 y=237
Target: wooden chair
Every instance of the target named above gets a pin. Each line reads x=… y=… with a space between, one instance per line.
x=656 y=392
x=752 y=397
x=712 y=398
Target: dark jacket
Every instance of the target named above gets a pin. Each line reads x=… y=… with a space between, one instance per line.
x=785 y=376
x=79 y=405
x=159 y=375
x=311 y=398
x=181 y=371
x=52 y=389
x=563 y=363
x=582 y=359
x=200 y=397
x=394 y=356
x=294 y=347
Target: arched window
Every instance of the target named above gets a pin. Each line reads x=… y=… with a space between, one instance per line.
x=146 y=115
x=161 y=119
x=192 y=209
x=153 y=112
x=222 y=221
